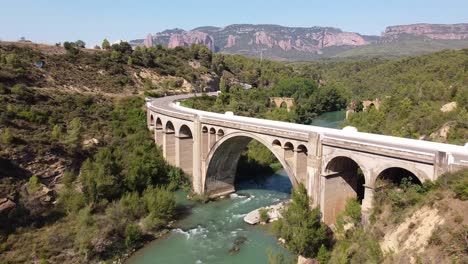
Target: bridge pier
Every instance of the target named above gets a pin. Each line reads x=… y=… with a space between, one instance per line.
x=159 y=137
x=337 y=188
x=366 y=206
x=184 y=156
x=169 y=147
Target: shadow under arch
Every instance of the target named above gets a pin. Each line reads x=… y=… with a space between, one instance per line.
x=396 y=175
x=343 y=179
x=350 y=171
x=222 y=160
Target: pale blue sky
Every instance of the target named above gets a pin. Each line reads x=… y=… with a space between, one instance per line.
x=51 y=21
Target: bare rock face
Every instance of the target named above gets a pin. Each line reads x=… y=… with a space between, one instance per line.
x=448 y=107
x=231 y=41
x=148 y=41
x=6 y=205
x=441 y=134
x=250 y=38
x=285 y=44
x=343 y=39
x=433 y=31
x=263 y=38
x=304 y=260
x=191 y=37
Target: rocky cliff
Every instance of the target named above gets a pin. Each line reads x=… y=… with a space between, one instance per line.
x=251 y=39
x=300 y=43
x=432 y=31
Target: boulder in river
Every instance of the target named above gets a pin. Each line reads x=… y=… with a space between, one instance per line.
x=274 y=213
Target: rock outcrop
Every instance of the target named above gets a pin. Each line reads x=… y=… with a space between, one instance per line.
x=6 y=205
x=442 y=133
x=298 y=43
x=432 y=31
x=252 y=38
x=192 y=37
x=448 y=107
x=273 y=211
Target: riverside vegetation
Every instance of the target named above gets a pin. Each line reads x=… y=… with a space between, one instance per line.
x=88 y=183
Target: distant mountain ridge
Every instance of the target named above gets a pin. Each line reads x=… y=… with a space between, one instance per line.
x=303 y=43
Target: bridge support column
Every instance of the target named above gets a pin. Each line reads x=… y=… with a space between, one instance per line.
x=440 y=164
x=211 y=138
x=300 y=166
x=197 y=158
x=184 y=155
x=204 y=143
x=169 y=150
x=314 y=168
x=366 y=207
x=336 y=189
x=159 y=136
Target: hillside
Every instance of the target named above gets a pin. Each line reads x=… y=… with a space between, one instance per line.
x=298 y=43
x=75 y=149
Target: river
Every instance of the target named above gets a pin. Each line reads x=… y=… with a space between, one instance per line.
x=211 y=233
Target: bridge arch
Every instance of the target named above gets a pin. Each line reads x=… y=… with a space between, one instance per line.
x=276 y=143
x=392 y=171
x=159 y=124
x=222 y=160
x=342 y=178
x=288 y=151
x=220 y=133
x=396 y=174
x=348 y=169
x=151 y=120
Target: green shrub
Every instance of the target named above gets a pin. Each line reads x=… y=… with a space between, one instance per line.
x=133 y=235
x=301 y=226
x=359 y=247
x=460 y=186
x=159 y=202
x=351 y=214
x=323 y=255
x=133 y=205
x=71 y=200
x=263 y=215
x=7 y=137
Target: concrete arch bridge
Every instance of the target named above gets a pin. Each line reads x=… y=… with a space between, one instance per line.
x=208 y=146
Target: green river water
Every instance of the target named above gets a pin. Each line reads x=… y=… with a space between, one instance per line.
x=210 y=232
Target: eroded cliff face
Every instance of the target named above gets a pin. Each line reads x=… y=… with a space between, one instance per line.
x=299 y=43
x=253 y=37
x=191 y=37
x=433 y=31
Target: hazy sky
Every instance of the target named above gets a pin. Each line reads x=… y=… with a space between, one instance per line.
x=51 y=21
